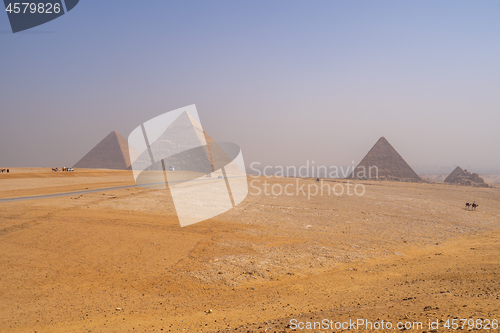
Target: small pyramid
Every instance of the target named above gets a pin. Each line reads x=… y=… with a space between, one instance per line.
x=455 y=175
x=463 y=177
x=384 y=162
x=111 y=153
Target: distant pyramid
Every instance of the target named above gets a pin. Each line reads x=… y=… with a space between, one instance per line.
x=456 y=175
x=184 y=145
x=111 y=153
x=390 y=165
x=463 y=177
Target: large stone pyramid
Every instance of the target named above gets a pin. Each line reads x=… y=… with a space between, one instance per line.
x=111 y=153
x=463 y=177
x=384 y=162
x=183 y=145
x=184 y=142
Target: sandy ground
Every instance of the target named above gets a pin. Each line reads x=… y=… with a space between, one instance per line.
x=118 y=261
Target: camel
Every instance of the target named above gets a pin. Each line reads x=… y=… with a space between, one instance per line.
x=3 y=170
x=472 y=206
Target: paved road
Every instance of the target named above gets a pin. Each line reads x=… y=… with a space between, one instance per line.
x=54 y=195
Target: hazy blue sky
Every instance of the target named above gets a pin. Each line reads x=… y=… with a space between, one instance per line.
x=288 y=81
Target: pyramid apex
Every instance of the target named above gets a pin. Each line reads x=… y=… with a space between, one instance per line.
x=191 y=119
x=382 y=139
x=112 y=134
x=117 y=135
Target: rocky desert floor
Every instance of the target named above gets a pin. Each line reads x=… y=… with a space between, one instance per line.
x=118 y=261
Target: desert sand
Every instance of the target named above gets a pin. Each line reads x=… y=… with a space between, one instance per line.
x=118 y=261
